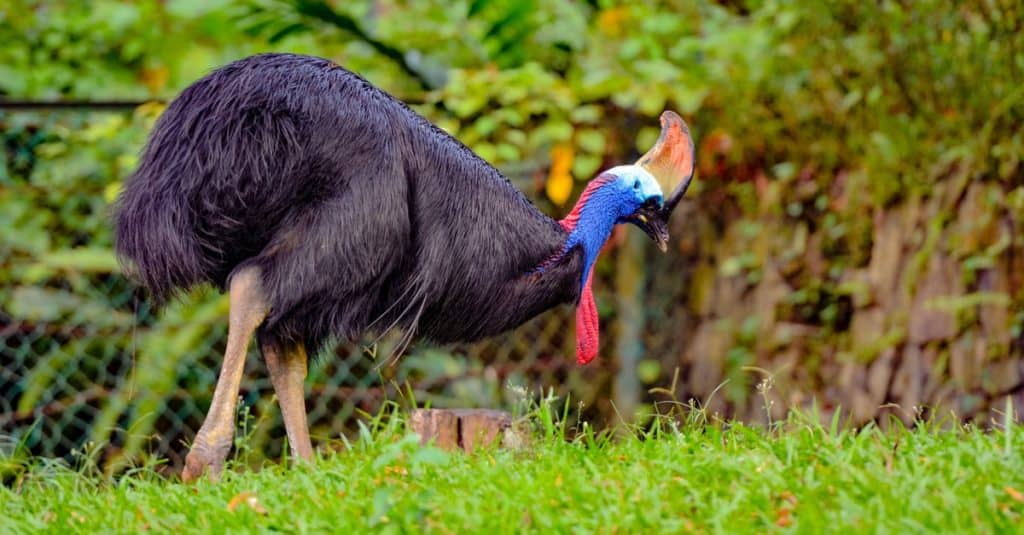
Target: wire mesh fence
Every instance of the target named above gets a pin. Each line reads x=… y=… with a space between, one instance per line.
x=75 y=379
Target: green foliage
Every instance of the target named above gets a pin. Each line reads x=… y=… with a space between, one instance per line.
x=111 y=50
x=74 y=47
x=813 y=119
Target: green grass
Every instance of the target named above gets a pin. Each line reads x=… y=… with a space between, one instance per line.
x=701 y=477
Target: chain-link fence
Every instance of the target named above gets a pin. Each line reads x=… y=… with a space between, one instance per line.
x=67 y=382
x=108 y=376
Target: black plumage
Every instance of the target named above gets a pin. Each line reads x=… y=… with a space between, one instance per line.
x=359 y=214
x=326 y=208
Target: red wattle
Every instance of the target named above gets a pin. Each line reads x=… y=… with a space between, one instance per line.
x=587 y=325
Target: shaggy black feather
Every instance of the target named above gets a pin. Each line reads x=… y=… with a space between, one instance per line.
x=359 y=213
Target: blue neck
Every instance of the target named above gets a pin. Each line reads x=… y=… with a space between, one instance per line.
x=597 y=215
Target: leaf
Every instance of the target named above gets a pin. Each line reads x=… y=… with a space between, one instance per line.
x=247 y=499
x=648 y=370
x=151 y=109
x=111 y=192
x=475 y=7
x=783 y=518
x=155 y=79
x=561 y=158
x=586 y=166
x=559 y=184
x=42 y=379
x=611 y=21
x=429 y=456
x=84 y=259
x=286 y=31
x=382 y=503
x=591 y=141
x=51 y=305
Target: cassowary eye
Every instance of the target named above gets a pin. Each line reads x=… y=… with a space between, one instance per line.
x=636 y=184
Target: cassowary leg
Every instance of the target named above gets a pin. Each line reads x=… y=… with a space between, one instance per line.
x=248 y=309
x=287 y=367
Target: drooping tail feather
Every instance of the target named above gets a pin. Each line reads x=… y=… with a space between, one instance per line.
x=156 y=241
x=222 y=164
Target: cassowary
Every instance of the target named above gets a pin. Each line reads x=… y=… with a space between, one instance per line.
x=327 y=209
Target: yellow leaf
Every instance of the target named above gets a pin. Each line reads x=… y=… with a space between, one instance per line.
x=249 y=499
x=150 y=109
x=610 y=20
x=558 y=188
x=154 y=79
x=561 y=158
x=111 y=192
x=559 y=184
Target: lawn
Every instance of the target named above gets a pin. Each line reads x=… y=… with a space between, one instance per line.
x=699 y=477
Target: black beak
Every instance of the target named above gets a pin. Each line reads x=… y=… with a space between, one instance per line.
x=651 y=218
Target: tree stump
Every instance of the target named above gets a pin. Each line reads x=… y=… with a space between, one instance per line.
x=465 y=429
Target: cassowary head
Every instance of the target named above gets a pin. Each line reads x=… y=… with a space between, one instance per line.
x=627 y=194
x=641 y=202
x=635 y=193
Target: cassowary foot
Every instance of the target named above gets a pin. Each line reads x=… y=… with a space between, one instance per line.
x=205 y=458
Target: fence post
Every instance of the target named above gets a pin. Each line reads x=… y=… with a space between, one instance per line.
x=630 y=317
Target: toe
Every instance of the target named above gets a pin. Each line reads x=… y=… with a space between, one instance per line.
x=196 y=465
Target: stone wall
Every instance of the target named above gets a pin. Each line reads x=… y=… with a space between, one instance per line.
x=911 y=309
